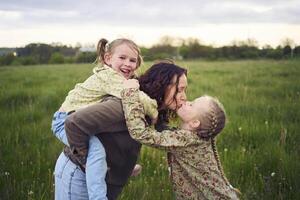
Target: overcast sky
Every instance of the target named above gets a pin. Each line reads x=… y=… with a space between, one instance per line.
x=216 y=22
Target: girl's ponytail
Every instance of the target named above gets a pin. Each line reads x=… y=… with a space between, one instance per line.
x=101 y=50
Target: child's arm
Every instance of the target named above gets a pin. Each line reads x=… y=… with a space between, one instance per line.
x=136 y=123
x=112 y=84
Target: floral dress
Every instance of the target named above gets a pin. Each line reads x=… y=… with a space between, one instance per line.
x=194 y=170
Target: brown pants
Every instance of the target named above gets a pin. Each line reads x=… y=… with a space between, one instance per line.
x=113 y=191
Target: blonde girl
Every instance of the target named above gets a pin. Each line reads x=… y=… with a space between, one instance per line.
x=196 y=171
x=116 y=62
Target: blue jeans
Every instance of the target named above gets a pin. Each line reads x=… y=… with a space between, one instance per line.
x=96 y=167
x=70 y=182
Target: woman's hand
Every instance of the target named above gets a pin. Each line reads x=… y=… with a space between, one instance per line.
x=131 y=83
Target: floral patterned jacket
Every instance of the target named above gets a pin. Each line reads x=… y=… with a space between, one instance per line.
x=194 y=171
x=104 y=81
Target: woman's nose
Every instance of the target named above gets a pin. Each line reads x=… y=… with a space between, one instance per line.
x=183 y=97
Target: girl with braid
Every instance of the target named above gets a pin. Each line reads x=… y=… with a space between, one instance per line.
x=196 y=171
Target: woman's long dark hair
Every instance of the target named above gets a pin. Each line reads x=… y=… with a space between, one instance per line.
x=155 y=82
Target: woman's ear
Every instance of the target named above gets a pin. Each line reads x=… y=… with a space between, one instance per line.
x=194 y=123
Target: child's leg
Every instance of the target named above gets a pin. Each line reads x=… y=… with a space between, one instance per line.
x=96 y=168
x=58 y=126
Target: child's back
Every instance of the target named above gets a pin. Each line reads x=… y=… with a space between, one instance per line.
x=195 y=168
x=196 y=172
x=103 y=81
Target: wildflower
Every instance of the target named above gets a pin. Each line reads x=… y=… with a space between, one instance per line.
x=6 y=173
x=266 y=122
x=240 y=128
x=225 y=149
x=273 y=174
x=30 y=192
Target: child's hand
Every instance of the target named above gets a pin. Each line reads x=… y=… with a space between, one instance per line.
x=136 y=170
x=154 y=121
x=131 y=83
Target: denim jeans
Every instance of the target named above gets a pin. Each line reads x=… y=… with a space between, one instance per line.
x=96 y=167
x=70 y=182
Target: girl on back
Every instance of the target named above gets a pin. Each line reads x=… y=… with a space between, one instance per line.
x=196 y=171
x=165 y=82
x=117 y=62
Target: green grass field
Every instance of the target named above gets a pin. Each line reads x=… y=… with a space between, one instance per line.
x=259 y=147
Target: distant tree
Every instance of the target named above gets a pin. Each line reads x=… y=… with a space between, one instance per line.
x=145 y=54
x=288 y=45
x=275 y=53
x=287 y=51
x=27 y=60
x=56 y=58
x=265 y=51
x=7 y=59
x=40 y=52
x=297 y=51
x=161 y=51
x=193 y=49
x=231 y=52
x=86 y=57
x=166 y=41
x=250 y=42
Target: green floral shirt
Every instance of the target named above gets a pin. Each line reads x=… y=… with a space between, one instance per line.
x=194 y=170
x=104 y=81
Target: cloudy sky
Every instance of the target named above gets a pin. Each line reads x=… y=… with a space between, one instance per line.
x=216 y=22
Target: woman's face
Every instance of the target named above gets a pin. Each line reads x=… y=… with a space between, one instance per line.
x=173 y=100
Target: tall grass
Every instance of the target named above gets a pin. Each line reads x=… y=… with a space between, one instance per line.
x=259 y=148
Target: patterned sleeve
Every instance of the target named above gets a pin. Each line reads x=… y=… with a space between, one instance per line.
x=136 y=123
x=111 y=81
x=112 y=84
x=150 y=105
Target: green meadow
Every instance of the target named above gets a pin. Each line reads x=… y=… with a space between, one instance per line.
x=259 y=147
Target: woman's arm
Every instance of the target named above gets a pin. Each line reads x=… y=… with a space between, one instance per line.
x=136 y=123
x=106 y=116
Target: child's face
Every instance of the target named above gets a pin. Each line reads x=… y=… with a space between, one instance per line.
x=123 y=60
x=190 y=110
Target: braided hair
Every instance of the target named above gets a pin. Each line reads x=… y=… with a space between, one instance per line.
x=212 y=118
x=212 y=122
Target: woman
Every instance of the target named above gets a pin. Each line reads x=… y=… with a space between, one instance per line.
x=164 y=82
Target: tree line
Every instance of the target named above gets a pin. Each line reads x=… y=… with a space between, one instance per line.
x=39 y=53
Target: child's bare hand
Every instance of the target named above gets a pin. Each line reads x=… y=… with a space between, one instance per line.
x=136 y=170
x=131 y=83
x=154 y=121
